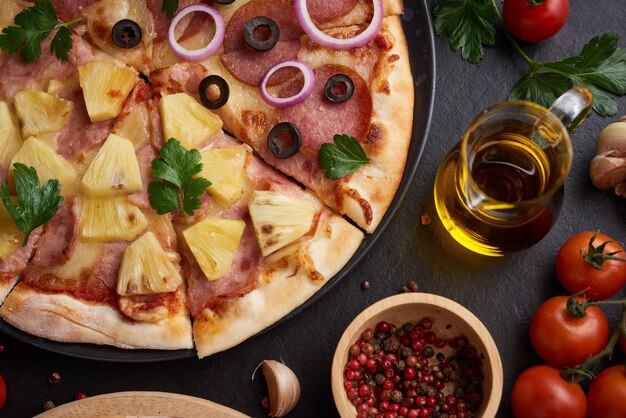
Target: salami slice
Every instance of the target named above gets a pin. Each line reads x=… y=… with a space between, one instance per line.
x=248 y=65
x=318 y=119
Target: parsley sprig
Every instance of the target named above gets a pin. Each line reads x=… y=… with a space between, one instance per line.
x=179 y=190
x=33 y=25
x=600 y=66
x=169 y=7
x=343 y=157
x=36 y=205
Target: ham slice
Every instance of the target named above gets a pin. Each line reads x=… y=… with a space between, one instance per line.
x=17 y=262
x=18 y=76
x=79 y=134
x=96 y=283
x=145 y=155
x=58 y=240
x=242 y=278
x=70 y=9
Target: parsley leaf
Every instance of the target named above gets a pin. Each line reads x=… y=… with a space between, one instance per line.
x=600 y=67
x=33 y=25
x=468 y=24
x=36 y=205
x=169 y=7
x=343 y=157
x=176 y=166
x=541 y=88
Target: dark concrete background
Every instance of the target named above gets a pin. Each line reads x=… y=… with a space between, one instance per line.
x=503 y=292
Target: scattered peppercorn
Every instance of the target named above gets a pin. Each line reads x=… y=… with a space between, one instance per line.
x=2 y=348
x=410 y=287
x=48 y=405
x=425 y=219
x=80 y=395
x=265 y=402
x=365 y=284
x=54 y=377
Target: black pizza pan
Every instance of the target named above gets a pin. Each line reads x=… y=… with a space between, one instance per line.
x=418 y=29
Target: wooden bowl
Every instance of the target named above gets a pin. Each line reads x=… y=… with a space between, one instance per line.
x=412 y=307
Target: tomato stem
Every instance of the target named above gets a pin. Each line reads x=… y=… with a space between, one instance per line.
x=584 y=370
x=532 y=63
x=595 y=256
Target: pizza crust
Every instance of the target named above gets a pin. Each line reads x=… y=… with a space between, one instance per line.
x=60 y=317
x=391 y=125
x=6 y=285
x=284 y=285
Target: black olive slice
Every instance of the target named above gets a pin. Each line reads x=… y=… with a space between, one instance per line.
x=284 y=140
x=126 y=33
x=261 y=33
x=221 y=84
x=223 y=1
x=339 y=88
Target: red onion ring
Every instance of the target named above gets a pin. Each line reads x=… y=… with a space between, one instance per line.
x=202 y=53
x=307 y=24
x=307 y=88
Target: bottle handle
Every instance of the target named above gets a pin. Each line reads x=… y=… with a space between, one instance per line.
x=573 y=107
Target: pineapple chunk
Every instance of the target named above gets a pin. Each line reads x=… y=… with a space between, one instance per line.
x=147 y=268
x=135 y=126
x=187 y=120
x=213 y=242
x=110 y=219
x=278 y=219
x=114 y=170
x=105 y=88
x=224 y=168
x=10 y=235
x=40 y=112
x=49 y=165
x=10 y=139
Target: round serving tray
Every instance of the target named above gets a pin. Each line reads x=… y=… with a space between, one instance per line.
x=419 y=34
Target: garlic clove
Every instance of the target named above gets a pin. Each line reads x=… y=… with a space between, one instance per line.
x=613 y=137
x=283 y=387
x=608 y=169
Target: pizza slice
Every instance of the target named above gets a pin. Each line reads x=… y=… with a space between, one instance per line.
x=45 y=125
x=105 y=269
x=258 y=246
x=378 y=114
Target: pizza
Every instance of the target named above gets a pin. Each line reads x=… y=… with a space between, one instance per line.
x=180 y=175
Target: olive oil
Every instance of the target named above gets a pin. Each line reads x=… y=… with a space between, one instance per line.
x=493 y=204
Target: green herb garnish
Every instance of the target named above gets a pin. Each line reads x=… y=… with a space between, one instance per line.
x=36 y=205
x=32 y=26
x=468 y=24
x=343 y=157
x=178 y=190
x=169 y=7
x=600 y=66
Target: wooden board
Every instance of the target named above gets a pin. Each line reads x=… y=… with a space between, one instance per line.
x=142 y=404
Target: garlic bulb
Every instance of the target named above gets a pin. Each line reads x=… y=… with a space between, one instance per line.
x=608 y=167
x=283 y=387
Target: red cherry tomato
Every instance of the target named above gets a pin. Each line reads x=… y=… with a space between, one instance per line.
x=563 y=340
x=541 y=392
x=606 y=396
x=3 y=392
x=577 y=274
x=534 y=20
